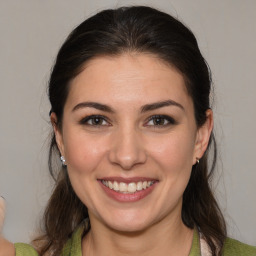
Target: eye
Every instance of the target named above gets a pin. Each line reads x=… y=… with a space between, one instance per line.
x=160 y=120
x=95 y=120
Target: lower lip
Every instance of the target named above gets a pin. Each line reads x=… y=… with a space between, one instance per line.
x=127 y=197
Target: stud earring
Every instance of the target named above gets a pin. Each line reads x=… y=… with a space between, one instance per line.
x=197 y=160
x=63 y=161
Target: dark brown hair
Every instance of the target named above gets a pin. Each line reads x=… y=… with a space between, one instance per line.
x=111 y=33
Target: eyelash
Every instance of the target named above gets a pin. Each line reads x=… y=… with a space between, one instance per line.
x=165 y=118
x=85 y=121
x=167 y=121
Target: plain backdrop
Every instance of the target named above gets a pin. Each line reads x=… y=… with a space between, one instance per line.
x=31 y=32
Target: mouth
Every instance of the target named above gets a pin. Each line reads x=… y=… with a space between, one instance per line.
x=127 y=188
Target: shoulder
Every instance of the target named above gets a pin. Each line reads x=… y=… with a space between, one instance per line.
x=233 y=247
x=72 y=246
x=24 y=250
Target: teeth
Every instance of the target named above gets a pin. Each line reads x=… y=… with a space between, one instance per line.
x=123 y=187
x=139 y=186
x=109 y=184
x=132 y=187
x=127 y=188
x=116 y=186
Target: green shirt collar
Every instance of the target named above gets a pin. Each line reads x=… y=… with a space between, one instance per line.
x=74 y=245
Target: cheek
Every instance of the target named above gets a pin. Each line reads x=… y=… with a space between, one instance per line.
x=83 y=153
x=174 y=152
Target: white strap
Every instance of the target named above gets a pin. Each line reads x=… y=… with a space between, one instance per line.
x=204 y=247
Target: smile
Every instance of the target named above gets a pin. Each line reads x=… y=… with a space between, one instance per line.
x=127 y=188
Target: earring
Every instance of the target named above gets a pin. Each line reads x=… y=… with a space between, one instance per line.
x=197 y=160
x=63 y=161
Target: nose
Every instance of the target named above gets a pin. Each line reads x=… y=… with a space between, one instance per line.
x=127 y=149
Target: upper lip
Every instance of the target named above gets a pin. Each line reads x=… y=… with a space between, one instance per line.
x=128 y=180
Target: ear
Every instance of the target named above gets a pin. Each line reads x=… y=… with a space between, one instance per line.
x=203 y=136
x=58 y=134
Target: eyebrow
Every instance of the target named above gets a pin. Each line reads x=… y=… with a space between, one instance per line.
x=160 y=104
x=95 y=105
x=145 y=108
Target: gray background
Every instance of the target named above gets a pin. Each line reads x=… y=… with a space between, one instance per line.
x=31 y=32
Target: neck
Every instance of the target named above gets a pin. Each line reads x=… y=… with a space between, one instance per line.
x=165 y=236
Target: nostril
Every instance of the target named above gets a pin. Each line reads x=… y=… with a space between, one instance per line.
x=126 y=149
x=127 y=162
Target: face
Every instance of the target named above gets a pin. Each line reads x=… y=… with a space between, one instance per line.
x=130 y=139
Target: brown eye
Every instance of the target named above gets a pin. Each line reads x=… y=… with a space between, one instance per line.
x=94 y=120
x=160 y=120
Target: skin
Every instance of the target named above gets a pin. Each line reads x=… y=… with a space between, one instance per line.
x=127 y=143
x=7 y=248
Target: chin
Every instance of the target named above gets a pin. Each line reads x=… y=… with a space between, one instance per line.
x=128 y=224
x=129 y=228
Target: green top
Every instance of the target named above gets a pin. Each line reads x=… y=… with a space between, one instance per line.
x=73 y=247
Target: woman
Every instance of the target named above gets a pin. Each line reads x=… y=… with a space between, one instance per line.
x=132 y=126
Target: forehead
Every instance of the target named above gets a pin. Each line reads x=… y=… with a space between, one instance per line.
x=128 y=78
